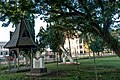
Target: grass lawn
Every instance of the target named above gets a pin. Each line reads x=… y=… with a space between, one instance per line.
x=108 y=68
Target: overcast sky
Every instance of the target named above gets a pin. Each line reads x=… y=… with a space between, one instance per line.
x=4 y=31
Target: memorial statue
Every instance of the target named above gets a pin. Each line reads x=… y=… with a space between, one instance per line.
x=38 y=63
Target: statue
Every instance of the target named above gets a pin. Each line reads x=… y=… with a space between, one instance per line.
x=37 y=55
x=38 y=63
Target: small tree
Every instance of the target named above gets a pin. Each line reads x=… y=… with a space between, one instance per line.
x=52 y=38
x=41 y=39
x=97 y=46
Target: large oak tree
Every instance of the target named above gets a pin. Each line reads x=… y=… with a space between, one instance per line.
x=94 y=16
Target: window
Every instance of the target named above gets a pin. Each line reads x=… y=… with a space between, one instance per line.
x=26 y=34
x=77 y=47
x=1 y=47
x=80 y=46
x=6 y=53
x=76 y=41
x=81 y=52
x=1 y=53
x=77 y=52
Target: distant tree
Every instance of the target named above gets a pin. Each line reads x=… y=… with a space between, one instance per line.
x=52 y=38
x=97 y=45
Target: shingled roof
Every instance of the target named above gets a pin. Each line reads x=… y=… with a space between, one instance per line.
x=21 y=37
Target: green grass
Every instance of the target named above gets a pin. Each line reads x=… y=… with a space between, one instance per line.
x=108 y=68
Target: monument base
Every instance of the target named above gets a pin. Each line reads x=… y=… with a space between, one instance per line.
x=38 y=70
x=74 y=63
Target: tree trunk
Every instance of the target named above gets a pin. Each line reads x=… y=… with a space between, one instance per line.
x=105 y=34
x=69 y=46
x=117 y=51
x=113 y=43
x=96 y=76
x=89 y=54
x=98 y=53
x=31 y=58
x=54 y=57
x=115 y=46
x=57 y=64
x=60 y=54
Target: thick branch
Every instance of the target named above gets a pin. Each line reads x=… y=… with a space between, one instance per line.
x=85 y=8
x=76 y=11
x=107 y=24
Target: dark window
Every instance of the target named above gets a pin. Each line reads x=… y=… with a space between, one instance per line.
x=13 y=54
x=81 y=52
x=26 y=34
x=6 y=53
x=80 y=46
x=1 y=53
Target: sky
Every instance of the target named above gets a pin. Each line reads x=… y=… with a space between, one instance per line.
x=4 y=31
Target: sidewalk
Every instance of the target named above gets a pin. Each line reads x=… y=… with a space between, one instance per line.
x=21 y=69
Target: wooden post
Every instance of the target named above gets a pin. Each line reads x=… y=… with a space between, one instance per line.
x=96 y=78
x=31 y=55
x=18 y=57
x=9 y=62
x=14 y=61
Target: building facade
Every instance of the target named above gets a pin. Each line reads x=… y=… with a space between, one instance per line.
x=3 y=51
x=74 y=45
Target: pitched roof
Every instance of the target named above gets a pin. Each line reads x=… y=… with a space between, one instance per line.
x=2 y=43
x=21 y=37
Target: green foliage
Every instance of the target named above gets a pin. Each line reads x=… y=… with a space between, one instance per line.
x=97 y=46
x=115 y=33
x=14 y=10
x=93 y=16
x=89 y=16
x=41 y=39
x=55 y=38
x=50 y=37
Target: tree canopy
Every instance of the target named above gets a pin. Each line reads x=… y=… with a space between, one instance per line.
x=94 y=16
x=50 y=37
x=15 y=10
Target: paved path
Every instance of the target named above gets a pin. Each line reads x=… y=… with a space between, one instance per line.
x=21 y=69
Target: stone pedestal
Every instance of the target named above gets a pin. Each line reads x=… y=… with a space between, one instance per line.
x=38 y=66
x=64 y=60
x=39 y=70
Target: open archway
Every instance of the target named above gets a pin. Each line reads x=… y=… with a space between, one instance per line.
x=13 y=53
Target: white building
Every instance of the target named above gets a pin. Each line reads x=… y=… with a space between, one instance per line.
x=76 y=47
x=3 y=52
